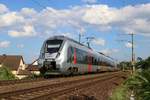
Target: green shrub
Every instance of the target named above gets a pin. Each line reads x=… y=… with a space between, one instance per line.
x=140 y=84
x=5 y=74
x=120 y=93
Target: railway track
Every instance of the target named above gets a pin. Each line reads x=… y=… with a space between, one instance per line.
x=17 y=81
x=74 y=87
x=12 y=82
x=51 y=91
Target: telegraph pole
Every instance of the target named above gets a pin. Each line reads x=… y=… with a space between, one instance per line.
x=133 y=55
x=132 y=50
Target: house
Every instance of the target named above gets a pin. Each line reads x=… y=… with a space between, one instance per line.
x=16 y=64
x=34 y=69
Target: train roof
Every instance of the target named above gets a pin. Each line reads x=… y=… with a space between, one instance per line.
x=66 y=38
x=106 y=55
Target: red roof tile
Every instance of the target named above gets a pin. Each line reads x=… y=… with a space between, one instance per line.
x=11 y=61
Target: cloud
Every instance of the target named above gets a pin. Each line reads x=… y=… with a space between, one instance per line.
x=28 y=22
x=127 y=19
x=28 y=12
x=100 y=15
x=20 y=46
x=128 y=45
x=3 y=9
x=109 y=51
x=138 y=26
x=28 y=30
x=4 y=44
x=89 y=1
x=99 y=41
x=10 y=19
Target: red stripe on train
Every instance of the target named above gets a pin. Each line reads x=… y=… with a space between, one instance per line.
x=89 y=68
x=75 y=56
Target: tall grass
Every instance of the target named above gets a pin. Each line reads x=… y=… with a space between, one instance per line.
x=120 y=93
x=140 y=84
x=5 y=74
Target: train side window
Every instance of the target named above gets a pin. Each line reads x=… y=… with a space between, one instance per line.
x=95 y=61
x=86 y=59
x=81 y=56
x=70 y=55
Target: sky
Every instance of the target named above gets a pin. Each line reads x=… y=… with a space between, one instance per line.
x=25 y=24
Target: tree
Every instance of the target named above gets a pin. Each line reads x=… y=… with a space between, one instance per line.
x=124 y=65
x=144 y=64
x=139 y=82
x=5 y=74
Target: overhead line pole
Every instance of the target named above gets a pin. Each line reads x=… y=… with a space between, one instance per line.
x=132 y=50
x=133 y=55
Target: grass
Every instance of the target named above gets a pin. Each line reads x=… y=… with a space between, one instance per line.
x=139 y=83
x=120 y=93
x=5 y=74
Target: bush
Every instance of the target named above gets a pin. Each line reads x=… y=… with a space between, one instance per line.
x=140 y=84
x=121 y=93
x=5 y=74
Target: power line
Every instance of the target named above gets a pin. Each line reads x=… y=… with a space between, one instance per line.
x=132 y=49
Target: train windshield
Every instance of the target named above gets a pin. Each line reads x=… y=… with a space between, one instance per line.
x=52 y=46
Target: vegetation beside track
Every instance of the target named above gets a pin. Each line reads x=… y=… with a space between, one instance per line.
x=120 y=93
x=5 y=74
x=33 y=76
x=137 y=84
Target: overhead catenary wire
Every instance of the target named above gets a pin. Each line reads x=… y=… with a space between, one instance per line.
x=132 y=49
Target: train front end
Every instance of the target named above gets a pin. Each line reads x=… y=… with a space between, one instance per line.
x=49 y=57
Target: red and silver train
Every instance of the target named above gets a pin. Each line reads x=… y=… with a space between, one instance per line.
x=62 y=55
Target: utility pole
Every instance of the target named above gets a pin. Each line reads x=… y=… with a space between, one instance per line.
x=133 y=55
x=132 y=50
